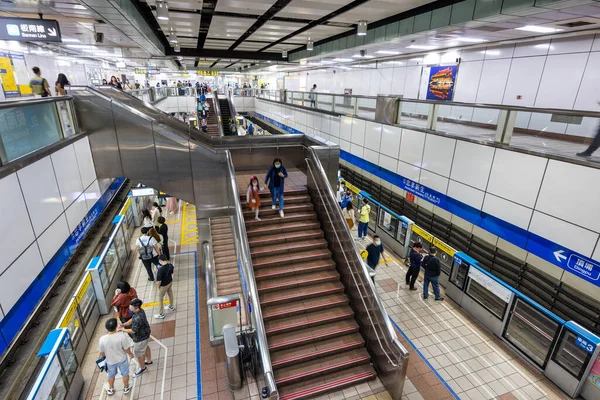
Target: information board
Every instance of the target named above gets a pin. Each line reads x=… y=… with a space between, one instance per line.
x=29 y=29
x=208 y=73
x=21 y=73
x=7 y=74
x=491 y=285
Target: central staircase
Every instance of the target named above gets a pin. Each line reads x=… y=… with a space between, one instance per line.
x=314 y=341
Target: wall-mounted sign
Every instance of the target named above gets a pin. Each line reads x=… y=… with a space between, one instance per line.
x=29 y=30
x=147 y=71
x=7 y=75
x=490 y=284
x=208 y=73
x=441 y=83
x=137 y=192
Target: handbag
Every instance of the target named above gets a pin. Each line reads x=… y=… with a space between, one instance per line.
x=101 y=363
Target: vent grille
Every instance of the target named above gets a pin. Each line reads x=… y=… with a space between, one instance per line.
x=576 y=24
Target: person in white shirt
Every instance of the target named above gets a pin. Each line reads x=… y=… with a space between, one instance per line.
x=116 y=346
x=340 y=192
x=155 y=213
x=149 y=251
x=349 y=215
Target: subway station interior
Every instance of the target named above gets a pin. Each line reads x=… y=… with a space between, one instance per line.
x=295 y=199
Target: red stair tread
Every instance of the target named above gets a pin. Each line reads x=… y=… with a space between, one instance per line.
x=276 y=219
x=262 y=262
x=285 y=237
x=278 y=326
x=278 y=248
x=302 y=306
x=316 y=333
x=303 y=292
x=294 y=355
x=294 y=269
x=282 y=227
x=299 y=280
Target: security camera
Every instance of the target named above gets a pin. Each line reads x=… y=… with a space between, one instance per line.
x=363 y=53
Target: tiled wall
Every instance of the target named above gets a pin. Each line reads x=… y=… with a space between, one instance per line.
x=558 y=73
x=177 y=104
x=556 y=200
x=41 y=205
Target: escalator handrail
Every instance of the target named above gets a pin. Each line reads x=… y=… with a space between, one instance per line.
x=362 y=276
x=244 y=250
x=232 y=110
x=218 y=114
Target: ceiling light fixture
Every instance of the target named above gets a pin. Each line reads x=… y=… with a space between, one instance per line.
x=537 y=29
x=284 y=54
x=420 y=47
x=177 y=48
x=162 y=10
x=342 y=59
x=361 y=56
x=310 y=45
x=173 y=37
x=388 y=52
x=70 y=40
x=470 y=40
x=361 y=30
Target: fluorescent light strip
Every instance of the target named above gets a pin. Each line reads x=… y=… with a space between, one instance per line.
x=470 y=40
x=388 y=52
x=538 y=29
x=420 y=47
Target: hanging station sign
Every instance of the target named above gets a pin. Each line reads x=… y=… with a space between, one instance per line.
x=147 y=71
x=29 y=30
x=208 y=73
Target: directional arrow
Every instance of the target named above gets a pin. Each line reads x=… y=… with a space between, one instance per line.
x=51 y=32
x=559 y=255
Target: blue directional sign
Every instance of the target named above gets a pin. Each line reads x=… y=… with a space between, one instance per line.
x=584 y=344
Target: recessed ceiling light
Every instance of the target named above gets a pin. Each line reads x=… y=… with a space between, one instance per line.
x=420 y=47
x=360 y=56
x=538 y=29
x=388 y=52
x=470 y=40
x=342 y=59
x=361 y=30
x=71 y=40
x=162 y=10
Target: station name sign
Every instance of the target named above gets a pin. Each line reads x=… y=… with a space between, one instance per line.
x=29 y=30
x=208 y=73
x=147 y=71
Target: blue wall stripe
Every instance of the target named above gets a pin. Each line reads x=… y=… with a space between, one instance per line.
x=567 y=259
x=18 y=314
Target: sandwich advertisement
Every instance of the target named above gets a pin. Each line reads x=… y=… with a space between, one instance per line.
x=441 y=83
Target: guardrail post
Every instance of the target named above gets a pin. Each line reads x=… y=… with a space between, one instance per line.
x=432 y=116
x=506 y=125
x=333 y=103
x=356 y=106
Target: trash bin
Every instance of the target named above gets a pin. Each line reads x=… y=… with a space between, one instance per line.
x=232 y=351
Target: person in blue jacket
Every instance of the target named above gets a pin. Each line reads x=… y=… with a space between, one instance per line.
x=275 y=180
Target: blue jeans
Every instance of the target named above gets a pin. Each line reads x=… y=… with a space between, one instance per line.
x=434 y=283
x=122 y=367
x=277 y=193
x=363 y=228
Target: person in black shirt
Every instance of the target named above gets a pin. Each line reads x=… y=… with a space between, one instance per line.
x=164 y=281
x=163 y=230
x=375 y=251
x=431 y=264
x=415 y=265
x=139 y=330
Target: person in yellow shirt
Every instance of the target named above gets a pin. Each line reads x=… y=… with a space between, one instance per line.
x=363 y=222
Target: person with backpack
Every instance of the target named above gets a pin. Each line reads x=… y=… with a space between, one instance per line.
x=346 y=198
x=39 y=86
x=164 y=283
x=432 y=267
x=363 y=221
x=149 y=251
x=250 y=129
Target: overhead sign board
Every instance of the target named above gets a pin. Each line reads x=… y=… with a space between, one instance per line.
x=208 y=73
x=29 y=30
x=147 y=71
x=137 y=192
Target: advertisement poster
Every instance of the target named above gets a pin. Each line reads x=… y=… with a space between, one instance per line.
x=441 y=83
x=21 y=72
x=594 y=376
x=7 y=74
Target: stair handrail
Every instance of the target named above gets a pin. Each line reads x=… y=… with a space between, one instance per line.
x=252 y=291
x=365 y=274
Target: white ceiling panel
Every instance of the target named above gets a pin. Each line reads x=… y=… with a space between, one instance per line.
x=254 y=7
x=308 y=9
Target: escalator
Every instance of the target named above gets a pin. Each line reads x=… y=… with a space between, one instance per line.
x=313 y=337
x=211 y=121
x=225 y=116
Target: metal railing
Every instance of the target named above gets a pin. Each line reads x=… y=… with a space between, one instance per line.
x=249 y=281
x=384 y=333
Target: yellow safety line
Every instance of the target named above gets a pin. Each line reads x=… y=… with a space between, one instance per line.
x=189 y=228
x=153 y=304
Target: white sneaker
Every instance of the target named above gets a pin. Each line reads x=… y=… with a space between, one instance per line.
x=159 y=316
x=170 y=308
x=281 y=213
x=257 y=219
x=272 y=207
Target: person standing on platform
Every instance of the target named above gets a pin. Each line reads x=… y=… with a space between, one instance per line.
x=416 y=259
x=139 y=328
x=349 y=215
x=164 y=283
x=593 y=146
x=312 y=96
x=39 y=86
x=341 y=190
x=363 y=222
x=60 y=84
x=115 y=346
x=172 y=205
x=155 y=212
x=432 y=267
x=250 y=129
x=253 y=196
x=123 y=296
x=375 y=251
x=275 y=180
x=346 y=198
x=149 y=251
x=163 y=231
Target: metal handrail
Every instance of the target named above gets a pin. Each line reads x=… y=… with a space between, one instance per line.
x=34 y=100
x=252 y=290
x=365 y=274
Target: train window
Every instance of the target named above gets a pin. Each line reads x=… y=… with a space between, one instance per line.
x=487 y=299
x=570 y=356
x=459 y=274
x=530 y=331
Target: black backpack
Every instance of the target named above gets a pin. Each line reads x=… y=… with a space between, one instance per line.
x=146 y=251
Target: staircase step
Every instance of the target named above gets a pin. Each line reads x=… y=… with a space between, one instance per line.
x=322 y=366
x=312 y=319
x=285 y=237
x=266 y=210
x=293 y=282
x=301 y=293
x=284 y=227
x=294 y=269
x=292 y=258
x=284 y=248
x=224 y=253
x=221 y=236
x=222 y=279
x=302 y=307
x=315 y=387
x=276 y=219
x=324 y=348
x=288 y=191
x=312 y=335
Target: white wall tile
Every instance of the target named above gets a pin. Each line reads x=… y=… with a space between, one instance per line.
x=587 y=97
x=493 y=81
x=566 y=69
x=388 y=163
x=371 y=156
x=17 y=232
x=85 y=161
x=434 y=181
x=385 y=84
x=566 y=193
x=411 y=149
x=516 y=176
x=596 y=44
x=76 y=212
x=358 y=131
x=41 y=194
x=374 y=82
x=507 y=210
x=334 y=126
x=412 y=83
x=466 y=194
x=472 y=55
x=373 y=135
x=51 y=240
x=466 y=156
x=390 y=140
x=524 y=80
x=438 y=154
x=398 y=80
x=67 y=175
x=499 y=52
x=571 y=236
x=532 y=49
x=346 y=129
x=576 y=44
x=92 y=194
x=408 y=171
x=357 y=150
x=17 y=278
x=467 y=81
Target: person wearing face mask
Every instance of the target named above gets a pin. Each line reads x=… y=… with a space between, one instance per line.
x=275 y=180
x=253 y=196
x=375 y=251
